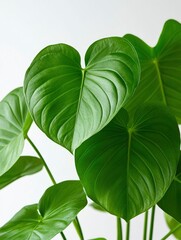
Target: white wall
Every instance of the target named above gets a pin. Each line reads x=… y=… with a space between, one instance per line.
x=28 y=26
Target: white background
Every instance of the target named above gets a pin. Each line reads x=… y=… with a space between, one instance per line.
x=28 y=26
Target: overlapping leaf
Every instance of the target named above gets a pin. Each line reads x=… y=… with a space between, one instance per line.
x=173 y=224
x=57 y=208
x=14 y=124
x=171 y=202
x=160 y=69
x=26 y=165
x=128 y=166
x=70 y=103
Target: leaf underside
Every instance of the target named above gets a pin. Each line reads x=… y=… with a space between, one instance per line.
x=26 y=165
x=14 y=124
x=172 y=224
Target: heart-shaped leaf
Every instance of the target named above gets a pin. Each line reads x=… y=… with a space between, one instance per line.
x=70 y=103
x=171 y=202
x=128 y=166
x=57 y=208
x=26 y=165
x=173 y=224
x=15 y=121
x=160 y=69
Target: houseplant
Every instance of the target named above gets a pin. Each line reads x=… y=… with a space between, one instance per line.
x=118 y=116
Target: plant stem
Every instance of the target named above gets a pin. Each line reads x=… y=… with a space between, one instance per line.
x=119 y=229
x=152 y=222
x=78 y=228
x=145 y=225
x=127 y=230
x=63 y=236
x=44 y=163
x=171 y=232
x=76 y=221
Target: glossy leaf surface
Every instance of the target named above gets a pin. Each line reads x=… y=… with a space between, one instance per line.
x=171 y=202
x=128 y=166
x=26 y=165
x=172 y=224
x=160 y=69
x=14 y=124
x=57 y=208
x=69 y=103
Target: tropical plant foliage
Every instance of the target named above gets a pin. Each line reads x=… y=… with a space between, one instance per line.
x=118 y=116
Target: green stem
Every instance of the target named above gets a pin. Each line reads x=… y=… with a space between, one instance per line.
x=171 y=232
x=119 y=229
x=145 y=225
x=152 y=222
x=76 y=221
x=63 y=236
x=127 y=230
x=78 y=228
x=44 y=163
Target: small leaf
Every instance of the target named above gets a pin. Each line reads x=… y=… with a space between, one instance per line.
x=26 y=165
x=160 y=70
x=172 y=224
x=171 y=202
x=128 y=166
x=57 y=208
x=15 y=121
x=70 y=104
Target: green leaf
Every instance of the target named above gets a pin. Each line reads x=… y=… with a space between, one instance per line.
x=172 y=224
x=128 y=166
x=57 y=208
x=97 y=207
x=15 y=121
x=69 y=103
x=160 y=69
x=171 y=202
x=26 y=165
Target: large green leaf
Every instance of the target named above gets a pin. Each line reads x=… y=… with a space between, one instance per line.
x=26 y=165
x=14 y=124
x=128 y=166
x=171 y=202
x=70 y=103
x=57 y=208
x=160 y=69
x=172 y=224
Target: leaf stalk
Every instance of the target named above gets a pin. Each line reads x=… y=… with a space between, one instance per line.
x=76 y=221
x=152 y=222
x=127 y=230
x=145 y=226
x=171 y=232
x=119 y=229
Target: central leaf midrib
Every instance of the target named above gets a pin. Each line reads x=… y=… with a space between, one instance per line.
x=38 y=222
x=128 y=164
x=155 y=62
x=78 y=106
